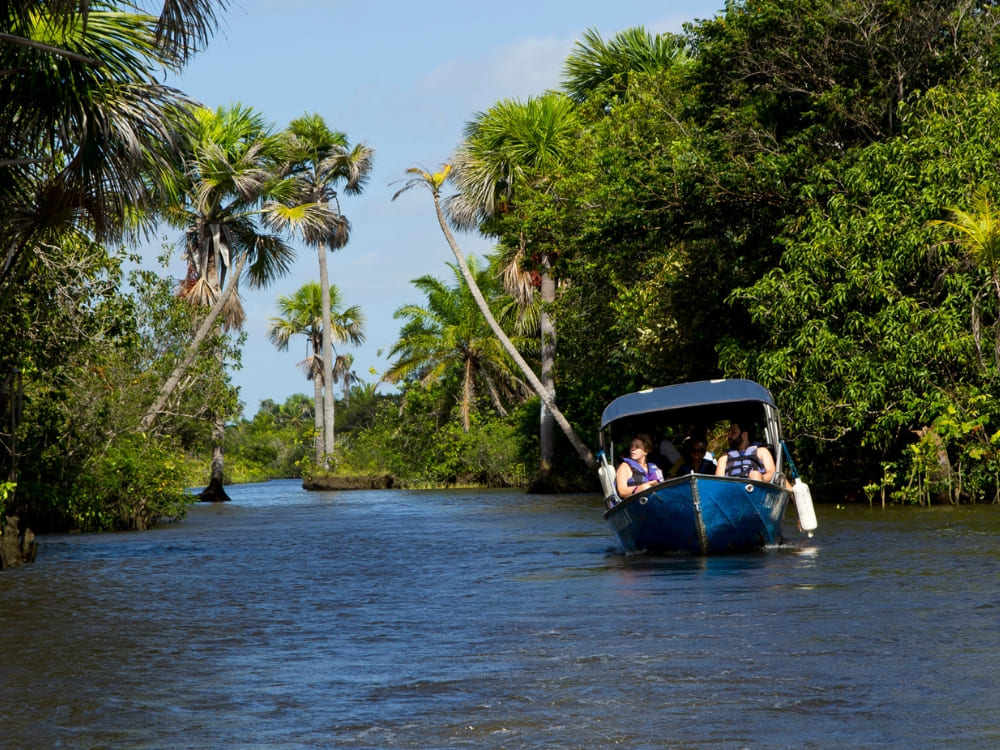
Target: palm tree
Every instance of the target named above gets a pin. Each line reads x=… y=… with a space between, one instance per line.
x=83 y=121
x=322 y=159
x=302 y=314
x=448 y=336
x=979 y=236
x=433 y=182
x=605 y=68
x=343 y=373
x=225 y=167
x=512 y=148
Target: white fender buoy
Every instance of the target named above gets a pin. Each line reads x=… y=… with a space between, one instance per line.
x=804 y=506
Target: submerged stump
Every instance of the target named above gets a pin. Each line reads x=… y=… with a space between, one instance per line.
x=214 y=493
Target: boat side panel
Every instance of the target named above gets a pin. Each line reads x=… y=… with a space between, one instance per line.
x=730 y=516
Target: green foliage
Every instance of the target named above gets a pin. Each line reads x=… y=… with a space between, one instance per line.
x=872 y=335
x=394 y=441
x=89 y=363
x=132 y=484
x=273 y=444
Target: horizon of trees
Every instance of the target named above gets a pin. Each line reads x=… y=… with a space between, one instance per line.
x=781 y=192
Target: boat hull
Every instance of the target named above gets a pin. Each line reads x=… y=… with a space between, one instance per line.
x=701 y=514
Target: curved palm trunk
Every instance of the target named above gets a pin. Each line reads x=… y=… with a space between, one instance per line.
x=582 y=450
x=324 y=288
x=170 y=385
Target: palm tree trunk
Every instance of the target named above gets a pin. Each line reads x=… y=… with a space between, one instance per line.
x=215 y=491
x=546 y=434
x=324 y=287
x=170 y=385
x=318 y=414
x=582 y=450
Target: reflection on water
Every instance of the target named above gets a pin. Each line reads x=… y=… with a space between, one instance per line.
x=498 y=619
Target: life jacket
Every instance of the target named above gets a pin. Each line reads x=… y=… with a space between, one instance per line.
x=652 y=473
x=741 y=463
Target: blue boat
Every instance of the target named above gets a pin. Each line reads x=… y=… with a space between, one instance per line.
x=700 y=514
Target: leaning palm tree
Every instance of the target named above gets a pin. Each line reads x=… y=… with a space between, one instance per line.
x=512 y=148
x=447 y=338
x=302 y=314
x=433 y=182
x=321 y=160
x=223 y=174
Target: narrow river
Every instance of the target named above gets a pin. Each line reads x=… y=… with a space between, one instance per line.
x=290 y=619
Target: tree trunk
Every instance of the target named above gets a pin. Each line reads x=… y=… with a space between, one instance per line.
x=168 y=388
x=546 y=433
x=324 y=284
x=582 y=450
x=215 y=492
x=318 y=414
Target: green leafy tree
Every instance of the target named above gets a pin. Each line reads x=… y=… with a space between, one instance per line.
x=979 y=235
x=87 y=72
x=871 y=334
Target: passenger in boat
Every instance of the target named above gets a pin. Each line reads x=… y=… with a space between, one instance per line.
x=693 y=458
x=745 y=458
x=635 y=473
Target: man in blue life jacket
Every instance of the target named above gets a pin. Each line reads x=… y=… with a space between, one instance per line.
x=745 y=458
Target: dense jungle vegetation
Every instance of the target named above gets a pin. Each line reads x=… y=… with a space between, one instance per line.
x=801 y=192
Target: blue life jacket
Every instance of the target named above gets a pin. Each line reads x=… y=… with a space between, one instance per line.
x=741 y=463
x=652 y=473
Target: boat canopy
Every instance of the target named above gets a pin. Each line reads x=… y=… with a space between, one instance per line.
x=701 y=394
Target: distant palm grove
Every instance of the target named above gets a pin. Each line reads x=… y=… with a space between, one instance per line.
x=800 y=192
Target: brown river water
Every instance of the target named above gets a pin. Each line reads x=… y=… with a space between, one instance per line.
x=394 y=619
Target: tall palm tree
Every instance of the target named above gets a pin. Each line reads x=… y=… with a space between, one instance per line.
x=302 y=314
x=433 y=182
x=449 y=336
x=225 y=168
x=321 y=160
x=509 y=149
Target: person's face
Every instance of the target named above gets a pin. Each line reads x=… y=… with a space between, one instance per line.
x=637 y=451
x=735 y=436
x=697 y=455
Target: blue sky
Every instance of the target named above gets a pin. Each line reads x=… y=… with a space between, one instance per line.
x=404 y=78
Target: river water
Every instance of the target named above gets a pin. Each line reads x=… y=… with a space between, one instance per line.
x=498 y=619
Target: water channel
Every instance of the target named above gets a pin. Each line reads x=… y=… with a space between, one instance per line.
x=499 y=619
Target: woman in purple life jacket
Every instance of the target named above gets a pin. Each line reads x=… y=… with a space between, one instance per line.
x=635 y=473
